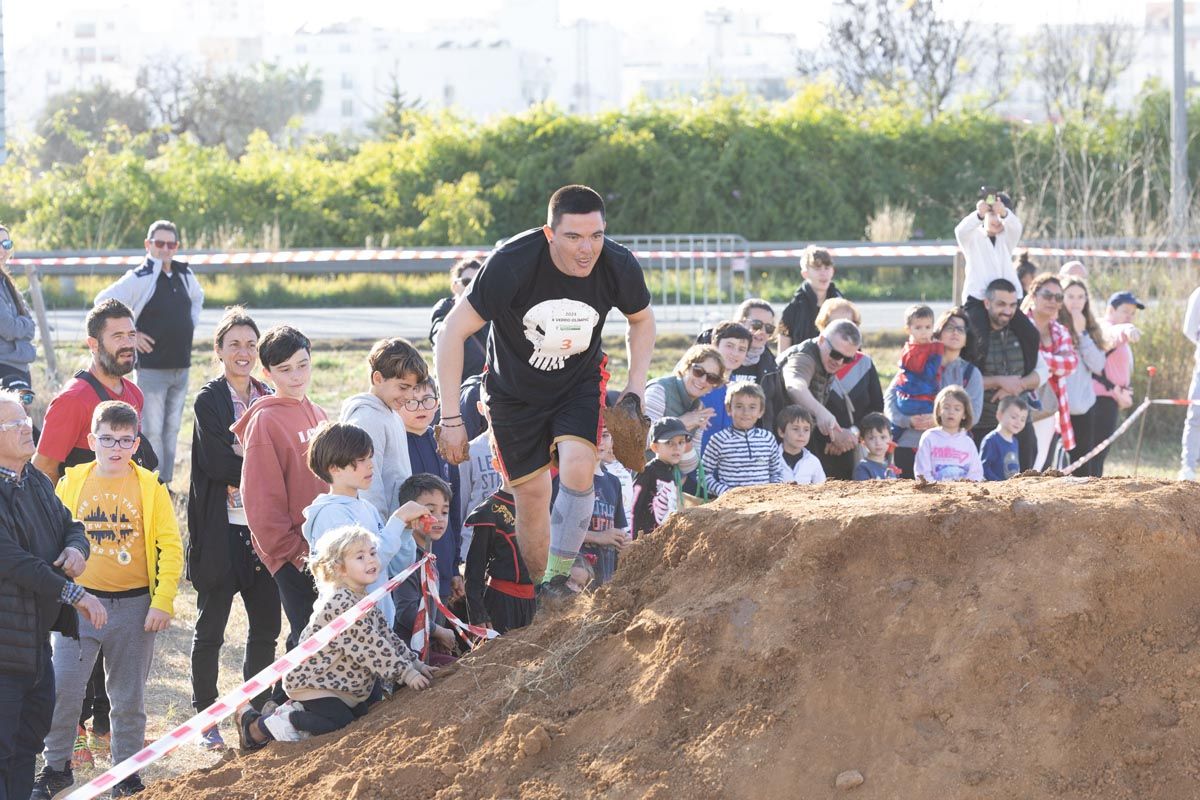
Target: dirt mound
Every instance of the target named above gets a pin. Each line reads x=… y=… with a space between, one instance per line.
x=1039 y=638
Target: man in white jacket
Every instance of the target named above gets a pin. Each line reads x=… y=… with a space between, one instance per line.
x=1191 y=426
x=166 y=300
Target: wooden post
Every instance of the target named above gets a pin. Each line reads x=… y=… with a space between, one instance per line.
x=39 y=308
x=959 y=277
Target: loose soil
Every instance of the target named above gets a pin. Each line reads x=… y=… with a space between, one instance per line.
x=1037 y=638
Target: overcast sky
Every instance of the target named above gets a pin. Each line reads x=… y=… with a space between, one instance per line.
x=667 y=18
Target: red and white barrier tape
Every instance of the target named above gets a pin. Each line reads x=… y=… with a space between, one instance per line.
x=423 y=624
x=1095 y=451
x=425 y=254
x=229 y=703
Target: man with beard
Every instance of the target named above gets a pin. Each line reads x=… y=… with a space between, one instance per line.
x=112 y=338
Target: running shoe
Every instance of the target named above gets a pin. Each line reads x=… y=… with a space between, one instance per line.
x=130 y=786
x=81 y=754
x=50 y=782
x=211 y=739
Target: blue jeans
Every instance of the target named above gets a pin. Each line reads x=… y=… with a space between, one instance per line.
x=26 y=708
x=165 y=391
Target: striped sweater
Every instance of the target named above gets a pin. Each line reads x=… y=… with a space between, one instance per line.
x=741 y=458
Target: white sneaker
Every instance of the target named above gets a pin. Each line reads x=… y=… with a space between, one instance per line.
x=1187 y=474
x=280 y=723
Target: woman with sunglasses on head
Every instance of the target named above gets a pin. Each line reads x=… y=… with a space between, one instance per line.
x=166 y=299
x=953 y=330
x=16 y=325
x=1042 y=305
x=678 y=395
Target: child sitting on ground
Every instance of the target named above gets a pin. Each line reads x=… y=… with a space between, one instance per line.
x=742 y=454
x=999 y=451
x=876 y=434
x=794 y=426
x=657 y=490
x=330 y=689
x=434 y=494
x=500 y=591
x=342 y=455
x=920 y=364
x=947 y=452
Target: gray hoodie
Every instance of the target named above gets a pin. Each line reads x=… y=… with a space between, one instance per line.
x=386 y=429
x=397 y=549
x=477 y=479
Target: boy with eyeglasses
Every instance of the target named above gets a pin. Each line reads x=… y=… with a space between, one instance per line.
x=395 y=370
x=166 y=299
x=134 y=568
x=418 y=414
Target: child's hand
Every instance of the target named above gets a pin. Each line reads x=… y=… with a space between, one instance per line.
x=457 y=588
x=411 y=513
x=157 y=621
x=415 y=680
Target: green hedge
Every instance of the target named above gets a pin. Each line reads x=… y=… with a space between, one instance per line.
x=806 y=169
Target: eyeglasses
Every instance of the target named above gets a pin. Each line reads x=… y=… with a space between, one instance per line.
x=713 y=378
x=428 y=403
x=6 y=244
x=757 y=325
x=1046 y=294
x=954 y=328
x=839 y=356
x=124 y=442
x=165 y=245
x=23 y=422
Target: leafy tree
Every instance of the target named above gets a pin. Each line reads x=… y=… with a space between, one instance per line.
x=396 y=119
x=1076 y=66
x=76 y=121
x=225 y=108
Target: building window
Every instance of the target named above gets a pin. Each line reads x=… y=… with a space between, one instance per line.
x=448 y=95
x=347 y=80
x=108 y=55
x=300 y=48
x=347 y=108
x=85 y=30
x=345 y=47
x=86 y=55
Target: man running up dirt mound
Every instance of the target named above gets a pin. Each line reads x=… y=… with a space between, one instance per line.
x=547 y=293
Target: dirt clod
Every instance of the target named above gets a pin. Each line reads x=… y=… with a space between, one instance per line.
x=849 y=779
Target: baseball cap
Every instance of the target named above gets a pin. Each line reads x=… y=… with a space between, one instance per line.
x=1121 y=298
x=668 y=428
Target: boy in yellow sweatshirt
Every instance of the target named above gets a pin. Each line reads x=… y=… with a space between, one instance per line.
x=134 y=569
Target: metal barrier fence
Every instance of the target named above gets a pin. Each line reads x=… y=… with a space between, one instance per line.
x=687 y=270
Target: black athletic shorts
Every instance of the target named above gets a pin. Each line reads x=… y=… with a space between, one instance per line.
x=526 y=435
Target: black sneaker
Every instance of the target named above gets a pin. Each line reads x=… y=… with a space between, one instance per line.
x=50 y=782
x=555 y=593
x=131 y=785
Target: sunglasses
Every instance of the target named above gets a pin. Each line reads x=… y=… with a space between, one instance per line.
x=165 y=245
x=757 y=325
x=6 y=244
x=839 y=356
x=465 y=281
x=23 y=422
x=713 y=378
x=1046 y=294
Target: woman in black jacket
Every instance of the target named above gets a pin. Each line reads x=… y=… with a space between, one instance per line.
x=220 y=559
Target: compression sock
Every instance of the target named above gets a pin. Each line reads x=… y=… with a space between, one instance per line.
x=570 y=517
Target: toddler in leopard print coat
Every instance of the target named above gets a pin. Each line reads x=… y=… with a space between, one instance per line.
x=331 y=688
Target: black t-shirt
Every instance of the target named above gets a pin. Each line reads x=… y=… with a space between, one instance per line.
x=167 y=318
x=531 y=304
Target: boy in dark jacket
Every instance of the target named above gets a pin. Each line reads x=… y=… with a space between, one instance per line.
x=656 y=492
x=418 y=414
x=433 y=493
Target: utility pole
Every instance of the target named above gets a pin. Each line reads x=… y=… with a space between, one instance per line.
x=1179 y=125
x=3 y=121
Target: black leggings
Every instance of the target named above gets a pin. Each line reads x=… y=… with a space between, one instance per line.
x=325 y=715
x=96 y=706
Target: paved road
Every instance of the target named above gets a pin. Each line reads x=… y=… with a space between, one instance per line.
x=413 y=323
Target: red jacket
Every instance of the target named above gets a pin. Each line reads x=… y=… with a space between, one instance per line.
x=277 y=484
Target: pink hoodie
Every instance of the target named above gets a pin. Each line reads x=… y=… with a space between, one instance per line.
x=277 y=484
